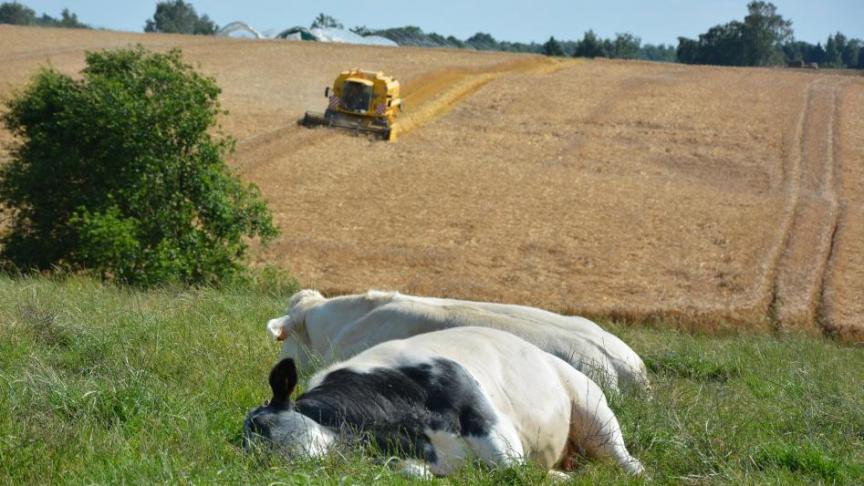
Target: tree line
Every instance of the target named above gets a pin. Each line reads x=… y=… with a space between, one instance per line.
x=18 y=14
x=623 y=46
x=171 y=16
x=765 y=38
x=762 y=38
x=838 y=52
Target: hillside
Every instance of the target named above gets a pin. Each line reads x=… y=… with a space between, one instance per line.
x=708 y=197
x=108 y=385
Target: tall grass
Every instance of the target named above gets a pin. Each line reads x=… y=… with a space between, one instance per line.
x=100 y=384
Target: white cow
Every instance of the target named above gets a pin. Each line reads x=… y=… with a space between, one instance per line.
x=443 y=398
x=341 y=327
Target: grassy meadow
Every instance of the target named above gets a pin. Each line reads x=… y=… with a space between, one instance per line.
x=107 y=385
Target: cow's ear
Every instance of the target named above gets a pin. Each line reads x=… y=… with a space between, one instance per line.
x=280 y=327
x=283 y=379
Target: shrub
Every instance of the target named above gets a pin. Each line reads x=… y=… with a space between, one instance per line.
x=119 y=172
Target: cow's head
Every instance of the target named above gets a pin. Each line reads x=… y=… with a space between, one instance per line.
x=298 y=305
x=277 y=424
x=291 y=328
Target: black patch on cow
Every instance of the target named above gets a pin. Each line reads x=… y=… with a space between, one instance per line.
x=393 y=406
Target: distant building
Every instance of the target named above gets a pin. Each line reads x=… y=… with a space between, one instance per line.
x=239 y=29
x=333 y=35
x=243 y=30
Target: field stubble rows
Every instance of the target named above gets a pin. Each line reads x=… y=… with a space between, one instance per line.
x=706 y=197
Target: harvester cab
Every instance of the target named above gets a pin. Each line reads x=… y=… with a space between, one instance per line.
x=362 y=101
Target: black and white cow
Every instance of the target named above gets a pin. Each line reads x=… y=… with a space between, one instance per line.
x=346 y=325
x=442 y=398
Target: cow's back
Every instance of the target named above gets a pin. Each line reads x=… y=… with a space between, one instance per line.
x=597 y=352
x=521 y=381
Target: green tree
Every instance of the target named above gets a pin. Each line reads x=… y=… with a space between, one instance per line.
x=119 y=172
x=817 y=55
x=851 y=53
x=842 y=52
x=723 y=45
x=326 y=22
x=482 y=42
x=455 y=42
x=590 y=46
x=67 y=20
x=607 y=48
x=757 y=41
x=179 y=17
x=362 y=30
x=16 y=14
x=70 y=21
x=687 y=51
x=796 y=51
x=625 y=46
x=763 y=33
x=659 y=53
x=552 y=48
x=833 y=52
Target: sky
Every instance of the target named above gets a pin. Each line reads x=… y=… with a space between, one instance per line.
x=654 y=21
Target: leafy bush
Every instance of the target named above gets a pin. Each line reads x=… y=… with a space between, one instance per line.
x=118 y=172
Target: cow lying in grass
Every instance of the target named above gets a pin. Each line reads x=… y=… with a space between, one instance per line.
x=344 y=326
x=442 y=398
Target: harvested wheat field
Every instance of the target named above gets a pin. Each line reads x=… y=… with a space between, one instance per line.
x=705 y=197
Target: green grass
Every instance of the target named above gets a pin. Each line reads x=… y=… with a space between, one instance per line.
x=100 y=384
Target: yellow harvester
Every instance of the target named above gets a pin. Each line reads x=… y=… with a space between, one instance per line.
x=362 y=101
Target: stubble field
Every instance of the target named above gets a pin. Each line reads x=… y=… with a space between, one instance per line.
x=704 y=197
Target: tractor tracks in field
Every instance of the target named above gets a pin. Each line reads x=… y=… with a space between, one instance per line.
x=811 y=212
x=253 y=153
x=435 y=93
x=427 y=97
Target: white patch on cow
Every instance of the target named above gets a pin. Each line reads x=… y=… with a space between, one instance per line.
x=414 y=469
x=382 y=294
x=310 y=438
x=558 y=476
x=395 y=355
x=450 y=451
x=302 y=295
x=318 y=439
x=502 y=447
